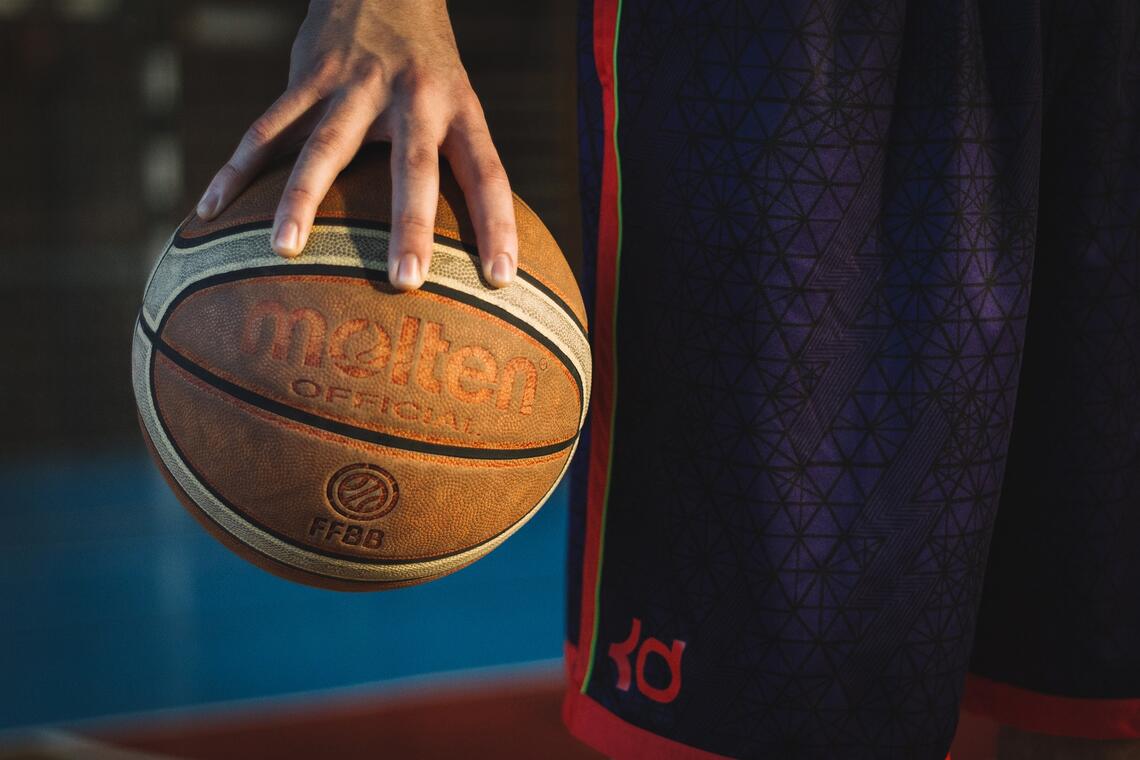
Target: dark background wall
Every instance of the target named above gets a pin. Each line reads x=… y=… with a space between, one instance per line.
x=115 y=115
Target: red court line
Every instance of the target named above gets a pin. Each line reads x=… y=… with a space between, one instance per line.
x=510 y=719
x=604 y=731
x=1049 y=714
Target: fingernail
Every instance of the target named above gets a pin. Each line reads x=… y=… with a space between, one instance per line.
x=208 y=206
x=408 y=272
x=501 y=273
x=287 y=237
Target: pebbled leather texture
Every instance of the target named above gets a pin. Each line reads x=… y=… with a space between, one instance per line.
x=337 y=432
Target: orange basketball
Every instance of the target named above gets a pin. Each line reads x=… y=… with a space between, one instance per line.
x=340 y=433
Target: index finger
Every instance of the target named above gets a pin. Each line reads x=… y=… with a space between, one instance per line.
x=255 y=149
x=327 y=151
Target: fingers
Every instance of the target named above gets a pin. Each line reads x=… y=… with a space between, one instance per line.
x=255 y=149
x=328 y=150
x=416 y=131
x=476 y=165
x=415 y=194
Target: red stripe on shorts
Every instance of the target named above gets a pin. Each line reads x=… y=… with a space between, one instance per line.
x=605 y=27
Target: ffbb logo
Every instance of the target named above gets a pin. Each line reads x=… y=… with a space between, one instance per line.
x=359 y=492
x=419 y=355
x=362 y=491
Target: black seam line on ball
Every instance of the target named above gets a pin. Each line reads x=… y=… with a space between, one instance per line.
x=336 y=270
x=538 y=285
x=204 y=483
x=342 y=428
x=182 y=242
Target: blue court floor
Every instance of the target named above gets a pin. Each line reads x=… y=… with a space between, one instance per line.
x=113 y=600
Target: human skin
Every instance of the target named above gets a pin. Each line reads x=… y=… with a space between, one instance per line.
x=389 y=70
x=379 y=70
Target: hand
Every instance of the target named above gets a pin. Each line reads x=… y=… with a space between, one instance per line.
x=369 y=70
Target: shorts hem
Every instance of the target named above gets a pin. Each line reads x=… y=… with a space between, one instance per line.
x=600 y=729
x=1041 y=713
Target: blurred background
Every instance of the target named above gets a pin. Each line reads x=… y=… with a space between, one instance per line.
x=125 y=631
x=124 y=628
x=116 y=115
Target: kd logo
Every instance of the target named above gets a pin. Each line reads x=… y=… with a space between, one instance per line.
x=620 y=651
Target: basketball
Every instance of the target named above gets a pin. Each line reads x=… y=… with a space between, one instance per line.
x=340 y=433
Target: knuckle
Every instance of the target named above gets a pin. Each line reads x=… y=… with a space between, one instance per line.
x=418 y=80
x=490 y=171
x=312 y=88
x=420 y=159
x=415 y=223
x=420 y=112
x=326 y=69
x=259 y=134
x=369 y=71
x=427 y=95
x=229 y=173
x=468 y=105
x=298 y=196
x=322 y=78
x=325 y=142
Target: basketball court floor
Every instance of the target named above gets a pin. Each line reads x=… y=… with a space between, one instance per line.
x=128 y=632
x=125 y=630
x=125 y=620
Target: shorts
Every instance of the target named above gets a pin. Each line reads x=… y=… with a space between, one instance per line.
x=865 y=287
